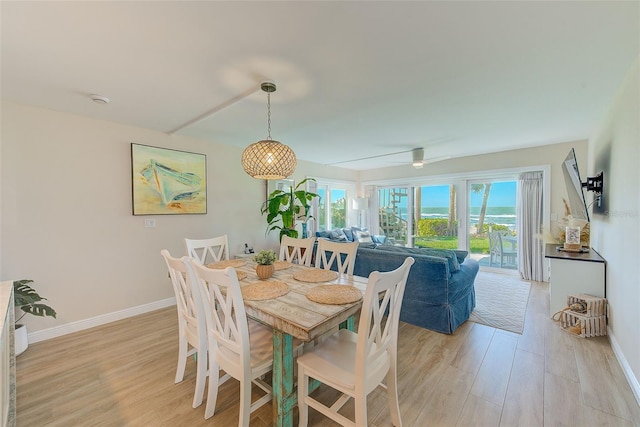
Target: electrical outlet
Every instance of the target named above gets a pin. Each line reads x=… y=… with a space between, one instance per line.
x=554 y=217
x=149 y=223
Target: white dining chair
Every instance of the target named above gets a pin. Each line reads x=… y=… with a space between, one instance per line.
x=192 y=333
x=336 y=251
x=238 y=346
x=299 y=250
x=356 y=363
x=208 y=250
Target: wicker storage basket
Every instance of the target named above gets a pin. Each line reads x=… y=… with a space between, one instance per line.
x=584 y=326
x=592 y=306
x=586 y=317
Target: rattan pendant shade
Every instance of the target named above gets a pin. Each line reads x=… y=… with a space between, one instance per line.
x=268 y=159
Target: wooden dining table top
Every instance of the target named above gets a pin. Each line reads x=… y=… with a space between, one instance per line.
x=293 y=313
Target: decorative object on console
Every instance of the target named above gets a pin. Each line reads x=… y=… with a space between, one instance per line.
x=572 y=239
x=268 y=159
x=283 y=208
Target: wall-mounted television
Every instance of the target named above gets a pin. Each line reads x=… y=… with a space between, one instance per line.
x=573 y=183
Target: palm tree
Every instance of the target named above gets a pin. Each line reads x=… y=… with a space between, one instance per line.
x=451 y=223
x=477 y=188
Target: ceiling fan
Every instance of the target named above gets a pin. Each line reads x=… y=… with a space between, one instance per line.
x=417 y=155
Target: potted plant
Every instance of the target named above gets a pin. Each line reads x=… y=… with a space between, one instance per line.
x=283 y=208
x=27 y=299
x=265 y=267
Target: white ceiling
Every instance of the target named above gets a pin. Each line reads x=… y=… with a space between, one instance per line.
x=355 y=79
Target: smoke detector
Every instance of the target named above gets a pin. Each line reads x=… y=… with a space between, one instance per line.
x=99 y=99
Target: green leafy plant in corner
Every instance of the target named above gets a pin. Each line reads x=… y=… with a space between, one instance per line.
x=283 y=208
x=28 y=300
x=265 y=257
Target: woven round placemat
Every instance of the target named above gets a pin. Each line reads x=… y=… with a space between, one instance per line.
x=282 y=265
x=241 y=274
x=334 y=294
x=268 y=289
x=235 y=263
x=315 y=275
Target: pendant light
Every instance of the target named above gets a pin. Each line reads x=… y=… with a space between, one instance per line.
x=268 y=159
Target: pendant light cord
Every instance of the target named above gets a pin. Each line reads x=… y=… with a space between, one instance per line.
x=269 y=116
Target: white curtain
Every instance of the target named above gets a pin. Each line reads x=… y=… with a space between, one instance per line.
x=528 y=227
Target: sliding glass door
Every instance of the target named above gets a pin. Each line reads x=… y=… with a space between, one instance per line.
x=394 y=205
x=491 y=225
x=435 y=217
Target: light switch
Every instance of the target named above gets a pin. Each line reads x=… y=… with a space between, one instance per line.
x=149 y=223
x=554 y=217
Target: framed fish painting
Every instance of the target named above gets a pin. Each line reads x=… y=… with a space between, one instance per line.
x=168 y=182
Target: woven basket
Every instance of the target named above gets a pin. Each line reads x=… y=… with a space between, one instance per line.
x=265 y=271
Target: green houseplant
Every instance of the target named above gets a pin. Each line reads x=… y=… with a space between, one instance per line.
x=265 y=267
x=283 y=208
x=30 y=302
x=265 y=257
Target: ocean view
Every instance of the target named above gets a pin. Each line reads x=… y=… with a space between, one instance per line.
x=503 y=215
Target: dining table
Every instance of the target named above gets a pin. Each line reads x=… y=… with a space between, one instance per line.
x=294 y=316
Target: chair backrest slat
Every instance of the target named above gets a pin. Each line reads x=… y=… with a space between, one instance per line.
x=208 y=250
x=299 y=250
x=337 y=250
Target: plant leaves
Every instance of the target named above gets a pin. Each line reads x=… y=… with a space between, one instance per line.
x=39 y=310
x=27 y=299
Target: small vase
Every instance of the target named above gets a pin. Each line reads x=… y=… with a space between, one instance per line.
x=265 y=271
x=305 y=234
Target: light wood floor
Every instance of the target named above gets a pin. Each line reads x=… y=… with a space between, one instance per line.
x=121 y=374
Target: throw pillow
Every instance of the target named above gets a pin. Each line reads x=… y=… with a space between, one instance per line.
x=347 y=232
x=338 y=235
x=326 y=234
x=363 y=237
x=461 y=255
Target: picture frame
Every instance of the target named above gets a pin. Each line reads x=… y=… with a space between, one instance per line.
x=277 y=184
x=167 y=182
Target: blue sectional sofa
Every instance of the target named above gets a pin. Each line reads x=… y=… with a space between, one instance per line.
x=439 y=294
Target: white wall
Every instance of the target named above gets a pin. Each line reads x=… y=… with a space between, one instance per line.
x=66 y=212
x=615 y=148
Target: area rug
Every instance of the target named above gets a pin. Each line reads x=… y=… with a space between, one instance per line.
x=501 y=301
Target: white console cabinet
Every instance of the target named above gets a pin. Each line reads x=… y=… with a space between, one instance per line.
x=7 y=357
x=573 y=273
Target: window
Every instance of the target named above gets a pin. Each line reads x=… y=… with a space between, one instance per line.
x=436 y=219
x=334 y=209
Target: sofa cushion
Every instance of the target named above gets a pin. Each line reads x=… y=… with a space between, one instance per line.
x=461 y=255
x=337 y=235
x=349 y=233
x=363 y=237
x=326 y=234
x=450 y=255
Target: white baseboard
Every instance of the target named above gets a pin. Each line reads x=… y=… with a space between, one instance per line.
x=81 y=325
x=631 y=378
